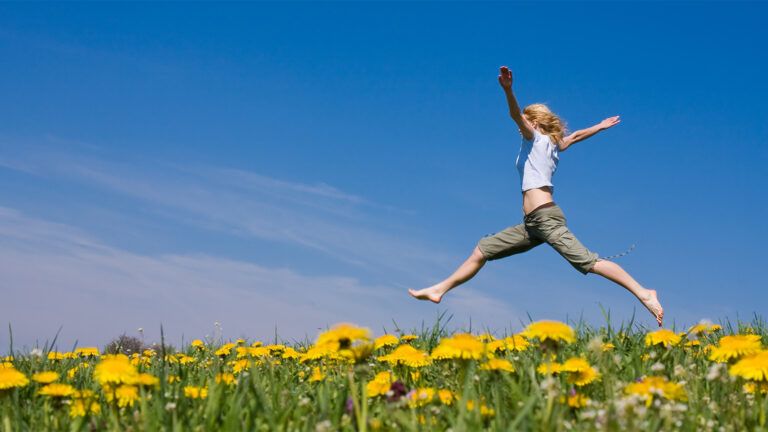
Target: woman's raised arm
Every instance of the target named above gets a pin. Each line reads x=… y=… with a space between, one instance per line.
x=505 y=80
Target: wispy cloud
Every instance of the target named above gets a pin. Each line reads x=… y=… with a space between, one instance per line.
x=59 y=274
x=318 y=217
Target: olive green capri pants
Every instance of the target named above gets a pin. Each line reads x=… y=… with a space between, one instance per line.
x=545 y=224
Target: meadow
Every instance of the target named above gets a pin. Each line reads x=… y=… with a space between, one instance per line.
x=551 y=376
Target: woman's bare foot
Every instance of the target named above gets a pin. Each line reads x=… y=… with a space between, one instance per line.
x=433 y=294
x=651 y=301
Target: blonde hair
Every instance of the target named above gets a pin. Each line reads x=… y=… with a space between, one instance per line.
x=547 y=122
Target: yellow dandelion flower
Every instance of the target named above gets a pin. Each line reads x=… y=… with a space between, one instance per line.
x=496 y=364
x=663 y=337
x=147 y=380
x=316 y=352
x=184 y=359
x=733 y=347
x=224 y=350
x=753 y=387
x=407 y=355
x=149 y=353
x=385 y=341
x=408 y=337
x=83 y=404
x=421 y=396
x=173 y=379
x=275 y=348
x=57 y=390
x=194 y=392
x=485 y=410
x=608 y=346
x=87 y=352
x=290 y=353
x=257 y=344
x=45 y=377
x=115 y=369
x=550 y=330
x=240 y=341
x=343 y=336
x=547 y=368
x=241 y=365
x=752 y=367
x=704 y=327
x=317 y=375
x=575 y=400
x=226 y=378
x=446 y=396
x=652 y=386
x=55 y=355
x=459 y=346
x=486 y=337
x=380 y=384
x=198 y=344
x=579 y=371
x=125 y=395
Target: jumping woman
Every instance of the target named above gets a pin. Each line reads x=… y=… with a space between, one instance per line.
x=543 y=138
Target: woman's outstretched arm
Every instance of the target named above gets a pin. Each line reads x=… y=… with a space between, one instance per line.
x=582 y=134
x=505 y=80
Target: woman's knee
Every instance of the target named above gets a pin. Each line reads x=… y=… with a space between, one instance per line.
x=478 y=255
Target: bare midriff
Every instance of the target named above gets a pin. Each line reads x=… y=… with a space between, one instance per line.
x=533 y=198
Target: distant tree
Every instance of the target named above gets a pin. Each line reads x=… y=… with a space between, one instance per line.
x=125 y=344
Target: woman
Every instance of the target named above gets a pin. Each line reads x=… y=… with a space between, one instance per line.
x=543 y=138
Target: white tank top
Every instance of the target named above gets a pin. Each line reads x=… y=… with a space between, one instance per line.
x=537 y=161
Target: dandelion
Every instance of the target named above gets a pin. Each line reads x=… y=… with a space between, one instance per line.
x=45 y=377
x=385 y=341
x=56 y=390
x=115 y=369
x=753 y=367
x=226 y=378
x=83 y=403
x=733 y=347
x=652 y=386
x=343 y=336
x=421 y=396
x=555 y=331
x=125 y=395
x=224 y=350
x=55 y=355
x=87 y=352
x=407 y=355
x=580 y=373
x=575 y=400
x=664 y=337
x=147 y=380
x=704 y=327
x=459 y=346
x=317 y=375
x=380 y=384
x=446 y=396
x=194 y=392
x=408 y=337
x=496 y=364
x=11 y=378
x=198 y=344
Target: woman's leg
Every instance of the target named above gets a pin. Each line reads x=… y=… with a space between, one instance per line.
x=615 y=273
x=549 y=224
x=465 y=272
x=512 y=240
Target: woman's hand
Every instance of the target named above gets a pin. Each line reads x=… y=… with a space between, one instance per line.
x=505 y=78
x=609 y=122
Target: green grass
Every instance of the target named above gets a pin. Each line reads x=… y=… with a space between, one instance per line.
x=275 y=394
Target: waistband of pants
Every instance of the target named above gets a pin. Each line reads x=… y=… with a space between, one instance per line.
x=545 y=205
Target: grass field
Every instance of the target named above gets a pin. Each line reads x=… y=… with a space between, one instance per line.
x=551 y=376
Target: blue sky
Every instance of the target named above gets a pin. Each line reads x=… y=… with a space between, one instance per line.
x=283 y=167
